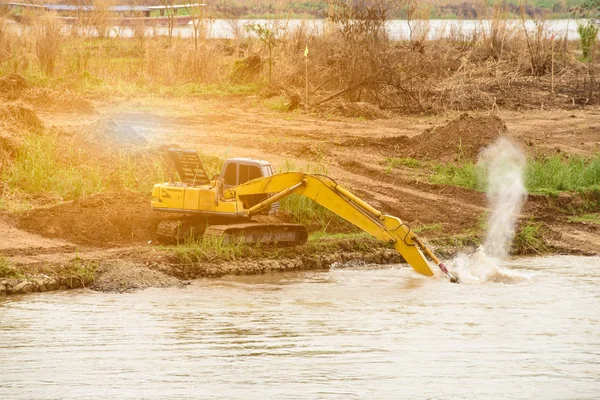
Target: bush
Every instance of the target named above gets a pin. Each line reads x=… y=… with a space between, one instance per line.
x=587 y=38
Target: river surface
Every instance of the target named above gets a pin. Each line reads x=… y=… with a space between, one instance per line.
x=361 y=332
x=397 y=29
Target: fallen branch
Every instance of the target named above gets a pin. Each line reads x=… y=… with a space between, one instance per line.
x=349 y=88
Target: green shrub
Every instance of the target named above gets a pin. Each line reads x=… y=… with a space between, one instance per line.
x=587 y=38
x=529 y=239
x=7 y=270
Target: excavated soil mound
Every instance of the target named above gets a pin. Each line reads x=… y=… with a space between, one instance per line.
x=18 y=115
x=121 y=276
x=11 y=86
x=16 y=119
x=108 y=219
x=15 y=87
x=52 y=100
x=461 y=138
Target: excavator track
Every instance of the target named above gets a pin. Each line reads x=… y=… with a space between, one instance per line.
x=259 y=233
x=174 y=231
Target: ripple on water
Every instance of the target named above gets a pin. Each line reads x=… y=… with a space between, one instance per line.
x=363 y=333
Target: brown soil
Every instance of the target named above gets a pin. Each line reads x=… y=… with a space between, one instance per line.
x=358 y=110
x=15 y=87
x=104 y=220
x=124 y=276
x=20 y=115
x=12 y=85
x=16 y=120
x=52 y=100
x=461 y=138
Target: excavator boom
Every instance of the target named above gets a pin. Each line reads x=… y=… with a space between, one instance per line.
x=336 y=198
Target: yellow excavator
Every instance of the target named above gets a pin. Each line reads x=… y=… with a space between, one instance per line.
x=224 y=206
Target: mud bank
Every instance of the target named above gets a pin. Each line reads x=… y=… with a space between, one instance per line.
x=126 y=276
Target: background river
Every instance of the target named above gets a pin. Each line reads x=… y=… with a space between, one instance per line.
x=397 y=29
x=345 y=333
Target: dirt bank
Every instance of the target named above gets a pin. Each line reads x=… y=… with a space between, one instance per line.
x=139 y=268
x=103 y=220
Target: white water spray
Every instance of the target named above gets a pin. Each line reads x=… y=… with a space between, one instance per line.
x=504 y=164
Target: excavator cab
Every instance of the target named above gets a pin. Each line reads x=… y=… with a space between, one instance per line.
x=237 y=171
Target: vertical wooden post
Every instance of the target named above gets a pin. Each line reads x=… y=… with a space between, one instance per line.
x=306 y=78
x=552 y=72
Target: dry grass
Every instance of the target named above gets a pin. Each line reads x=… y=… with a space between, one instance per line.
x=500 y=64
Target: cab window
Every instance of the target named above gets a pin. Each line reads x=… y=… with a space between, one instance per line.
x=254 y=172
x=248 y=172
x=230 y=174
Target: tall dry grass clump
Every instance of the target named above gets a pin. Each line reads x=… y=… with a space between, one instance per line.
x=98 y=18
x=496 y=31
x=538 y=41
x=48 y=39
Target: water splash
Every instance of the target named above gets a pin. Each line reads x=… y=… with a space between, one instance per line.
x=503 y=163
x=481 y=267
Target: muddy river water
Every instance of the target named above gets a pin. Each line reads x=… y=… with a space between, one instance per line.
x=360 y=332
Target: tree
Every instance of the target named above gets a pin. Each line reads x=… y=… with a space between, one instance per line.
x=267 y=36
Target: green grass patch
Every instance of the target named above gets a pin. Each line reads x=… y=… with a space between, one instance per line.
x=7 y=270
x=276 y=103
x=393 y=162
x=466 y=175
x=529 y=239
x=212 y=249
x=316 y=236
x=209 y=248
x=43 y=169
x=437 y=227
x=592 y=218
x=563 y=174
x=77 y=268
x=303 y=210
x=545 y=175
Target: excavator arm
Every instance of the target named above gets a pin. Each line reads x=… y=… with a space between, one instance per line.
x=336 y=198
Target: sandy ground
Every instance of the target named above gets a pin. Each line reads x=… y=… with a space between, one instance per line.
x=352 y=150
